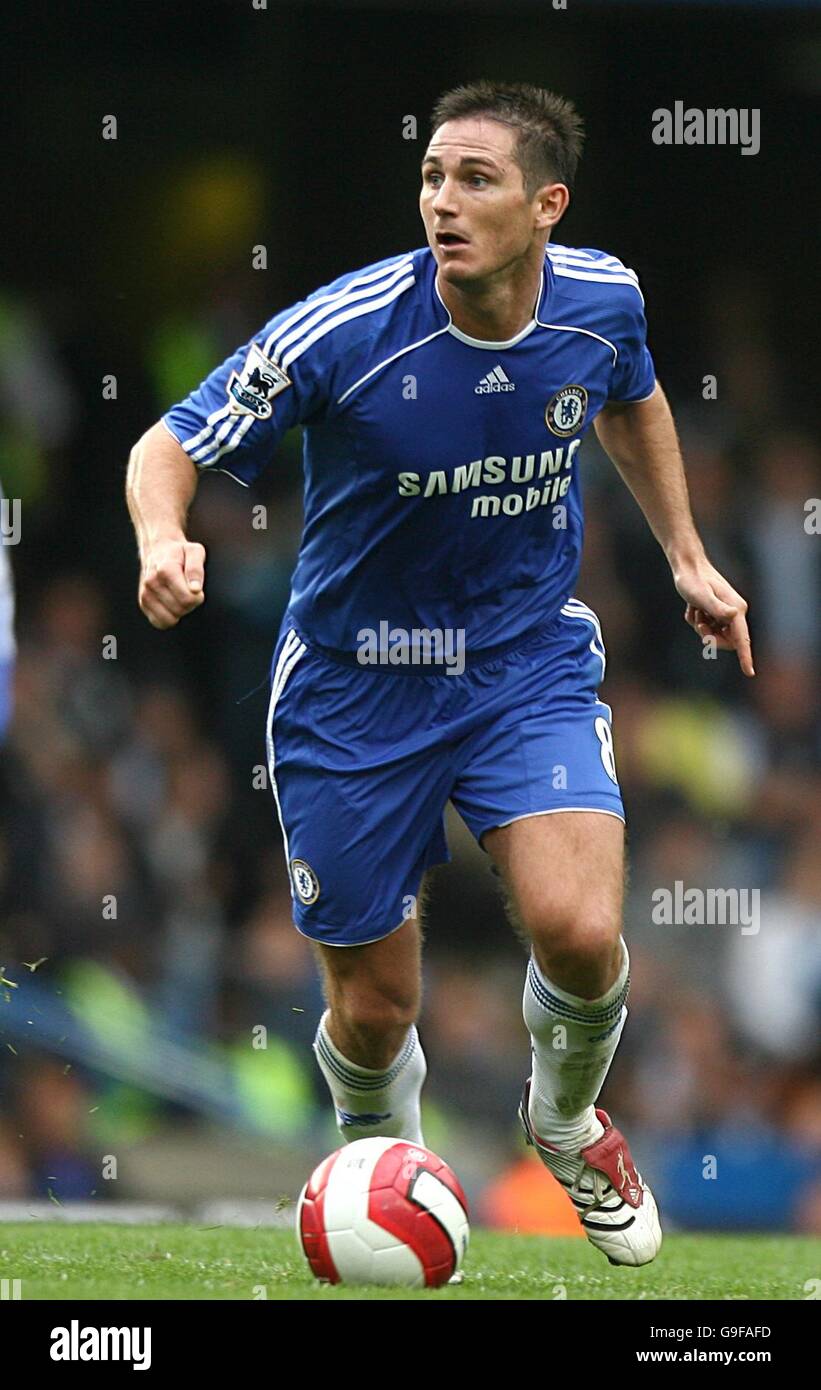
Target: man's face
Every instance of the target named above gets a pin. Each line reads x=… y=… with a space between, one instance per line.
x=477 y=216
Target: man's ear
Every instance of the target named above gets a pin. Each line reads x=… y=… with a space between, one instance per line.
x=552 y=201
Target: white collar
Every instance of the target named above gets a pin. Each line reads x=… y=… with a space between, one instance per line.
x=483 y=342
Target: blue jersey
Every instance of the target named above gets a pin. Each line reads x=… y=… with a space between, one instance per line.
x=442 y=486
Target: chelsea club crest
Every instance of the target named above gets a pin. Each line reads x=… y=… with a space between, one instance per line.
x=305 y=881
x=564 y=414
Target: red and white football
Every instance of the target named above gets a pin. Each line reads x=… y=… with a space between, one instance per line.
x=383 y=1211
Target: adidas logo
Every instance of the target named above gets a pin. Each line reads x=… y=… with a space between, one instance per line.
x=496 y=380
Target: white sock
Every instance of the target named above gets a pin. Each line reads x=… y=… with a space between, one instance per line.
x=374 y=1102
x=573 y=1042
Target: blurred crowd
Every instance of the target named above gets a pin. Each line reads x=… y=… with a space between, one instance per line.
x=139 y=841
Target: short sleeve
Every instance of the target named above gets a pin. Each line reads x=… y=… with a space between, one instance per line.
x=634 y=373
x=234 y=420
x=291 y=373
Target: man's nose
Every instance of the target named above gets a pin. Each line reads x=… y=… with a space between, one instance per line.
x=444 y=196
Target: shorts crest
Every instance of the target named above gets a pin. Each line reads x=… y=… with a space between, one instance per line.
x=305 y=881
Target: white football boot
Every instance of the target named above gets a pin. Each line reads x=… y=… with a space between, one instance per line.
x=615 y=1207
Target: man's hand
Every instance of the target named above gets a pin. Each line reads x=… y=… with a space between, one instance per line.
x=171 y=581
x=715 y=610
x=640 y=437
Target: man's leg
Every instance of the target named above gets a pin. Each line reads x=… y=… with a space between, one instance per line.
x=565 y=876
x=564 y=872
x=366 y=1044
x=361 y=817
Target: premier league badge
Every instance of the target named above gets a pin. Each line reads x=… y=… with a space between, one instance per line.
x=251 y=391
x=564 y=414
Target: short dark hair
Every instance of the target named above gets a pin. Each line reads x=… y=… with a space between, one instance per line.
x=550 y=132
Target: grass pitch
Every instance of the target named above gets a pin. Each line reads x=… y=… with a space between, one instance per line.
x=60 y=1261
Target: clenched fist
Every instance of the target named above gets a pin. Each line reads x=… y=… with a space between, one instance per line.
x=171 y=581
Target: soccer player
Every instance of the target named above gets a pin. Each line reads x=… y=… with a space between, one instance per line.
x=433 y=648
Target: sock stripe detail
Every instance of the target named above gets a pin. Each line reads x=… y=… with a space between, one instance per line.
x=560 y=1009
x=355 y=1081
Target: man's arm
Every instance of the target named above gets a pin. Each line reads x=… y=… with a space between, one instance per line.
x=160 y=486
x=641 y=440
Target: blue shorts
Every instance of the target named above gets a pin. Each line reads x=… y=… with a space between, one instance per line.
x=362 y=760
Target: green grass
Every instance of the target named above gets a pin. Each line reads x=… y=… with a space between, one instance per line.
x=57 y=1261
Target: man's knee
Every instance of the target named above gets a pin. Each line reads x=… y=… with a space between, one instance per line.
x=586 y=934
x=577 y=948
x=373 y=996
x=376 y=1009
